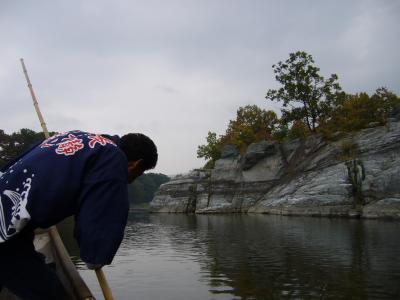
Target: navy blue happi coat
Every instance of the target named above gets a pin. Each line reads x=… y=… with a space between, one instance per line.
x=74 y=173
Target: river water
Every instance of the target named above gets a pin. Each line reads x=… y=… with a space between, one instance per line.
x=176 y=256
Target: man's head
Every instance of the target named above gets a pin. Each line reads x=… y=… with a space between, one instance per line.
x=141 y=153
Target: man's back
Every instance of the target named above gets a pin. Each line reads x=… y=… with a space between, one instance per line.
x=73 y=173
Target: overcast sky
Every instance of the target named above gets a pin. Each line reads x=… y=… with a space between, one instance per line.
x=176 y=69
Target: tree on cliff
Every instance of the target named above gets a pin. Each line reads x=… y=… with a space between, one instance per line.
x=210 y=151
x=310 y=104
x=355 y=112
x=308 y=95
x=252 y=124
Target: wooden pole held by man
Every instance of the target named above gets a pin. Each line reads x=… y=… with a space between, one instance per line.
x=35 y=103
x=99 y=273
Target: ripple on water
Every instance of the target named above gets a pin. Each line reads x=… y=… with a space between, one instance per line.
x=254 y=257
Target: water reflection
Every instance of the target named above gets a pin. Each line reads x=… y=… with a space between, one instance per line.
x=167 y=256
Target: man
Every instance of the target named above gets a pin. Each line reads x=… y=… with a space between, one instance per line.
x=74 y=173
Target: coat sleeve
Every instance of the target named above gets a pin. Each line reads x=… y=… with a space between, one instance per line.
x=100 y=224
x=103 y=213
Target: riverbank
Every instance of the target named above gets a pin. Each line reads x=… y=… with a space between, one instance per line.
x=354 y=175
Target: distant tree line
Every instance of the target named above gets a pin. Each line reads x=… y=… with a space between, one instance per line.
x=11 y=145
x=310 y=104
x=143 y=188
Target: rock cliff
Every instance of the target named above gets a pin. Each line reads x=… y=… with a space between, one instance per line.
x=355 y=175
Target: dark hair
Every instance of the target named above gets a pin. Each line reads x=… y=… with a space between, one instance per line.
x=138 y=146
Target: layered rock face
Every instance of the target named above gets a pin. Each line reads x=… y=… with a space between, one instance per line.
x=356 y=175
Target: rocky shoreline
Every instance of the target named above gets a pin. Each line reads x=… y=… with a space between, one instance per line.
x=351 y=175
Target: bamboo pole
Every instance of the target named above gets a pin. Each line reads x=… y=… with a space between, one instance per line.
x=104 y=285
x=53 y=230
x=35 y=103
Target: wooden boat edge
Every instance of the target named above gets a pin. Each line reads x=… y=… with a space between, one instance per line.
x=65 y=269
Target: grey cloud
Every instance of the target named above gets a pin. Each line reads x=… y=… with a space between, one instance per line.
x=176 y=69
x=167 y=89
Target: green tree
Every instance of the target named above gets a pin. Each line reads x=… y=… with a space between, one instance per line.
x=385 y=101
x=305 y=94
x=4 y=141
x=143 y=188
x=298 y=130
x=252 y=124
x=211 y=151
x=355 y=112
x=16 y=143
x=281 y=132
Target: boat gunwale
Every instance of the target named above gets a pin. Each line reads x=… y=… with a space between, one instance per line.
x=80 y=290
